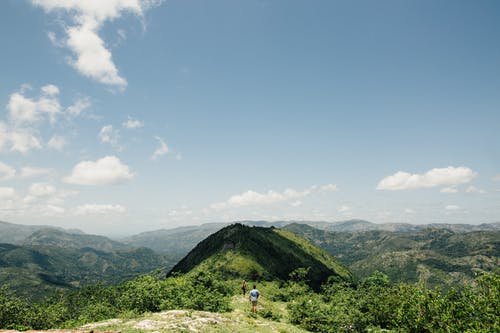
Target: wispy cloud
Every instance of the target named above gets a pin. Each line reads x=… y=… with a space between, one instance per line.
x=84 y=21
x=132 y=123
x=99 y=209
x=109 y=135
x=473 y=189
x=31 y=172
x=450 y=189
x=6 y=172
x=432 y=178
x=161 y=150
x=57 y=142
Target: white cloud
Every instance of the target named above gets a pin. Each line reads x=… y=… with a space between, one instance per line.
x=22 y=140
x=252 y=198
x=52 y=210
x=41 y=190
x=22 y=109
x=132 y=123
x=50 y=90
x=344 y=209
x=450 y=189
x=109 y=135
x=432 y=178
x=161 y=150
x=6 y=172
x=26 y=114
x=329 y=188
x=496 y=178
x=78 y=107
x=107 y=170
x=8 y=193
x=91 y=57
x=96 y=209
x=452 y=207
x=29 y=172
x=57 y=142
x=249 y=198
x=409 y=211
x=473 y=189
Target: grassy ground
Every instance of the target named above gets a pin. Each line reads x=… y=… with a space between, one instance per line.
x=271 y=317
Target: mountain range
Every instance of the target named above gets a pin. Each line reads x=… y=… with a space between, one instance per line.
x=36 y=260
x=50 y=258
x=434 y=256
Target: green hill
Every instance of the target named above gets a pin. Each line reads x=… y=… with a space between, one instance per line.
x=37 y=270
x=438 y=257
x=257 y=253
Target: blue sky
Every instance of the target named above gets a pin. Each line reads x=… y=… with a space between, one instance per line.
x=122 y=116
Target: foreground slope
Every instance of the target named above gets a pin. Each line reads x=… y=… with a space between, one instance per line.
x=257 y=253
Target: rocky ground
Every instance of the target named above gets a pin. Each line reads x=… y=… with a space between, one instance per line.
x=240 y=320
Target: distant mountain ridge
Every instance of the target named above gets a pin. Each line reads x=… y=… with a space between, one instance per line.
x=433 y=256
x=57 y=237
x=51 y=258
x=16 y=233
x=176 y=242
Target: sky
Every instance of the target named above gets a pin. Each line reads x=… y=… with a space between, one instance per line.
x=123 y=116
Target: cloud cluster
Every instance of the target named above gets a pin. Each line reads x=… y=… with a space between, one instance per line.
x=25 y=116
x=44 y=199
x=85 y=19
x=40 y=199
x=107 y=170
x=8 y=172
x=250 y=198
x=433 y=178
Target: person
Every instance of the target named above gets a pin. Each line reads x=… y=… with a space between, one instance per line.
x=254 y=297
x=244 y=287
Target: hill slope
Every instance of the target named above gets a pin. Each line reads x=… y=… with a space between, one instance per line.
x=255 y=253
x=36 y=270
x=434 y=256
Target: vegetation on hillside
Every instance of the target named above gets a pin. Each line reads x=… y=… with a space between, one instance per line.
x=35 y=271
x=257 y=253
x=374 y=304
x=436 y=257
